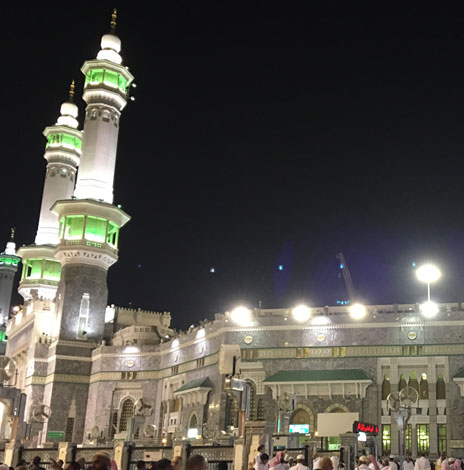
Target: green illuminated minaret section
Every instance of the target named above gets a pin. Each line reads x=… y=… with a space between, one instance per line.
x=90 y=223
x=9 y=263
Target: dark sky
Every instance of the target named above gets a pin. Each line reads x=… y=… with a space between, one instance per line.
x=263 y=133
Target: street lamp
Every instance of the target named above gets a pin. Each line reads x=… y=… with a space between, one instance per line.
x=428 y=273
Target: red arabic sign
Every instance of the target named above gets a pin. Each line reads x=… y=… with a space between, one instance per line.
x=365 y=427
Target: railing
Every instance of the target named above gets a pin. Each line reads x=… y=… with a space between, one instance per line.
x=141 y=453
x=46 y=456
x=88 y=452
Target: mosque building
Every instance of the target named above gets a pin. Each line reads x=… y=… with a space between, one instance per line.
x=87 y=372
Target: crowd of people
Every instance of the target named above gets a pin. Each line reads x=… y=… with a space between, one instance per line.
x=103 y=461
x=282 y=461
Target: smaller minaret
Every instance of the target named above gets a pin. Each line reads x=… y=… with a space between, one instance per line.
x=8 y=266
x=41 y=271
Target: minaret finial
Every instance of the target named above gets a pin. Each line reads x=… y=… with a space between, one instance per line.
x=12 y=233
x=113 y=21
x=71 y=91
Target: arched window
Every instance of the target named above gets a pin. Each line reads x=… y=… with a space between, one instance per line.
x=253 y=401
x=413 y=382
x=193 y=421
x=127 y=411
x=441 y=388
x=424 y=388
x=386 y=387
x=402 y=383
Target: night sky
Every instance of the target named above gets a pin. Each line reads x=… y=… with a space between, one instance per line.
x=263 y=133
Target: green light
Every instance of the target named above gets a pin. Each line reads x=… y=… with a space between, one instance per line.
x=3 y=336
x=52 y=270
x=107 y=77
x=65 y=140
x=113 y=234
x=9 y=261
x=95 y=229
x=34 y=269
x=74 y=227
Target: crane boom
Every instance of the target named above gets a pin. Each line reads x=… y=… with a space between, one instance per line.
x=347 y=277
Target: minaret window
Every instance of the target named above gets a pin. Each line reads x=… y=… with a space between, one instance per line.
x=52 y=270
x=95 y=229
x=106 y=116
x=107 y=77
x=83 y=316
x=113 y=234
x=34 y=269
x=74 y=227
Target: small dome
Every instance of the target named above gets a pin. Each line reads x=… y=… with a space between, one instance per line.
x=69 y=109
x=110 y=41
x=10 y=248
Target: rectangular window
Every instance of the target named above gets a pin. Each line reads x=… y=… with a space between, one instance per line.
x=408 y=440
x=441 y=437
x=122 y=82
x=95 y=229
x=423 y=438
x=112 y=235
x=34 y=269
x=386 y=439
x=74 y=227
x=96 y=76
x=111 y=78
x=52 y=270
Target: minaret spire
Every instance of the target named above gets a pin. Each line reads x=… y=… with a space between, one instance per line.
x=12 y=233
x=114 y=17
x=71 y=92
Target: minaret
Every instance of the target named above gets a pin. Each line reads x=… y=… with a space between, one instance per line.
x=41 y=271
x=89 y=223
x=8 y=266
x=105 y=92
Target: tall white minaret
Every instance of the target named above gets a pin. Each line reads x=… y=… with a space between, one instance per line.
x=41 y=271
x=89 y=222
x=105 y=92
x=63 y=150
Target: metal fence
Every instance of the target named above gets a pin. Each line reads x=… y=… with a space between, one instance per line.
x=46 y=456
x=88 y=452
x=147 y=454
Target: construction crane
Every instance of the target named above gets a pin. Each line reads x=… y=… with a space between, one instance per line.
x=347 y=277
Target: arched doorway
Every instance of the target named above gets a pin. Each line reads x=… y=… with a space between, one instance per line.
x=127 y=412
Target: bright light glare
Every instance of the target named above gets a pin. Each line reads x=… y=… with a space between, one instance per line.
x=321 y=320
x=241 y=315
x=201 y=333
x=357 y=311
x=429 y=309
x=428 y=273
x=175 y=344
x=131 y=349
x=301 y=313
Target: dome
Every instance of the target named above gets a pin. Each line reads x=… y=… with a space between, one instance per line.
x=69 y=109
x=110 y=41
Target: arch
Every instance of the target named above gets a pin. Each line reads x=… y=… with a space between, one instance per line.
x=386 y=387
x=337 y=408
x=127 y=411
x=193 y=421
x=300 y=413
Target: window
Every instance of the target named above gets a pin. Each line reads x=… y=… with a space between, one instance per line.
x=74 y=227
x=441 y=388
x=386 y=439
x=95 y=229
x=83 y=317
x=127 y=411
x=441 y=428
x=386 y=387
x=174 y=370
x=408 y=440
x=200 y=362
x=113 y=234
x=68 y=435
x=423 y=438
x=52 y=270
x=424 y=388
x=106 y=116
x=34 y=269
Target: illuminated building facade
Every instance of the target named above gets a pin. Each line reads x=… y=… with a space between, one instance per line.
x=98 y=373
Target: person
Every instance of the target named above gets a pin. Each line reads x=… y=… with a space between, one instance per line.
x=335 y=462
x=444 y=464
x=278 y=462
x=362 y=463
x=408 y=464
x=21 y=465
x=325 y=463
x=422 y=463
x=163 y=464
x=440 y=460
x=101 y=461
x=141 y=465
x=385 y=465
x=392 y=464
x=300 y=463
x=196 y=462
x=72 y=466
x=264 y=461
x=457 y=464
x=373 y=465
x=177 y=463
x=36 y=463
x=315 y=460
x=82 y=463
x=260 y=449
